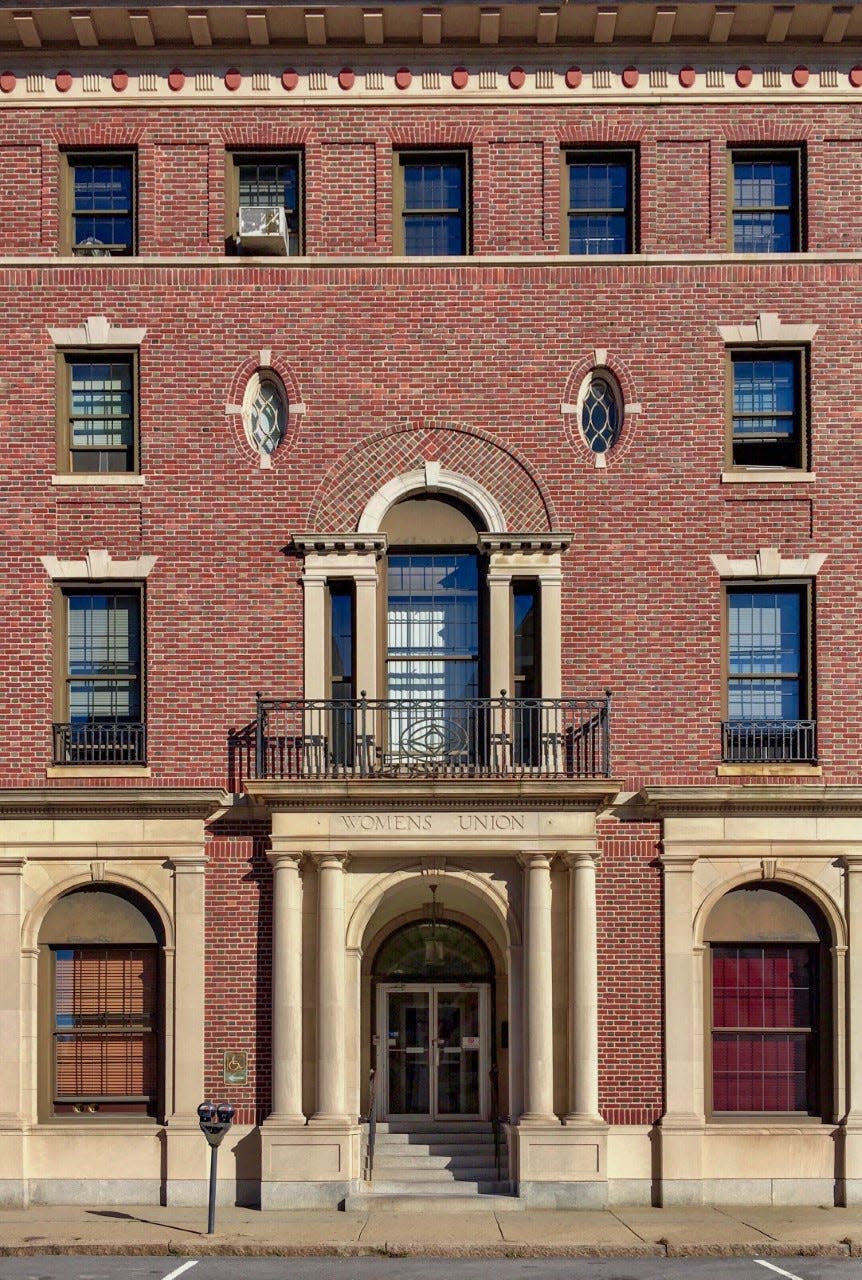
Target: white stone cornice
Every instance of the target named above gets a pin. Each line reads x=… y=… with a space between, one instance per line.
x=525 y=543
x=341 y=544
x=768 y=327
x=98 y=566
x=97 y=331
x=769 y=563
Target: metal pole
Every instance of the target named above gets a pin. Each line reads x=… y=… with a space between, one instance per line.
x=213 y=1164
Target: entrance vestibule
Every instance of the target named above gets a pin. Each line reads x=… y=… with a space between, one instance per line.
x=433 y=1022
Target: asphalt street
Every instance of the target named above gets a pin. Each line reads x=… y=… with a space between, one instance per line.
x=132 y=1268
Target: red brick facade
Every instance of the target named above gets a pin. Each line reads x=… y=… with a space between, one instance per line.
x=470 y=364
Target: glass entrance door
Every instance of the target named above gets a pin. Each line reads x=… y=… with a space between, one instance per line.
x=435 y=1049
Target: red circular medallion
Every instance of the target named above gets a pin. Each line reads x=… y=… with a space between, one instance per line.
x=176 y=79
x=517 y=77
x=687 y=77
x=403 y=78
x=346 y=78
x=856 y=77
x=574 y=77
x=63 y=81
x=460 y=77
x=631 y=75
x=289 y=79
x=744 y=77
x=232 y=79
x=7 y=82
x=120 y=81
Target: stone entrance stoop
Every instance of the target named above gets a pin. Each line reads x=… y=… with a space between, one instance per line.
x=418 y=1164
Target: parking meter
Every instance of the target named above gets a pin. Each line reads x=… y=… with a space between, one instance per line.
x=215 y=1122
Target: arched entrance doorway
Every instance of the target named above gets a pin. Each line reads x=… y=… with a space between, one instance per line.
x=433 y=985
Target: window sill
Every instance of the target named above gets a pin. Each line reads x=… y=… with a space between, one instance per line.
x=766 y=476
x=769 y=771
x=97 y=478
x=756 y=1123
x=98 y=771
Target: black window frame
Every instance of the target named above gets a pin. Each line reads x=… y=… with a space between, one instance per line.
x=795 y=156
x=114 y=157
x=771 y=451
x=402 y=158
x=571 y=156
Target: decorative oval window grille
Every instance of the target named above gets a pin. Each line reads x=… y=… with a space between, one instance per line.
x=267 y=415
x=601 y=417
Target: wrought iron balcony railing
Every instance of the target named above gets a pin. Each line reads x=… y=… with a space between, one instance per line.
x=109 y=742
x=769 y=741
x=428 y=737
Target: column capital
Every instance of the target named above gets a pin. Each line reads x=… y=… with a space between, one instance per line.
x=332 y=860
x=580 y=857
x=188 y=866
x=682 y=863
x=12 y=866
x=284 y=858
x=539 y=858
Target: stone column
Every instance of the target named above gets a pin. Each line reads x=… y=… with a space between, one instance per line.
x=849 y=1035
x=500 y=619
x=583 y=990
x=189 y=985
x=330 y=989
x=315 y=648
x=186 y=1162
x=551 y=589
x=365 y=586
x=286 y=989
x=539 y=1065
x=683 y=1121
x=12 y=1025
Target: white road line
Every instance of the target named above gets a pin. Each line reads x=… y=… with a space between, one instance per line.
x=172 y=1275
x=780 y=1270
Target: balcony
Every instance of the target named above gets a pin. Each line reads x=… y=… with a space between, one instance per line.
x=769 y=741
x=100 y=743
x=475 y=738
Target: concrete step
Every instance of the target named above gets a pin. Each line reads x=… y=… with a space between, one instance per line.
x=433 y=1173
x=434 y=1160
x=435 y=1126
x=454 y=1197
x=401 y=1141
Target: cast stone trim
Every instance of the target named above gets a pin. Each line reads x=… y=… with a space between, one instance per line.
x=97 y=331
x=768 y=327
x=525 y=543
x=768 y=562
x=432 y=478
x=327 y=544
x=97 y=566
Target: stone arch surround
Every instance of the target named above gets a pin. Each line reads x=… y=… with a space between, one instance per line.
x=356 y=477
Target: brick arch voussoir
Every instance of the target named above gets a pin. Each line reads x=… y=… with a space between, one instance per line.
x=352 y=482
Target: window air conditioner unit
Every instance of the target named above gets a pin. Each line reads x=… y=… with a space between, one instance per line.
x=263 y=229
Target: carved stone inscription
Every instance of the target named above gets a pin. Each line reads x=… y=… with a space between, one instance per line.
x=429 y=823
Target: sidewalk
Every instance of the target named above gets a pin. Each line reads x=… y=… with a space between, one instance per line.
x=621 y=1232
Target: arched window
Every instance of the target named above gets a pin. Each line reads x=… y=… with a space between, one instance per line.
x=99 y=992
x=433 y=950
x=768 y=1004
x=265 y=413
x=600 y=412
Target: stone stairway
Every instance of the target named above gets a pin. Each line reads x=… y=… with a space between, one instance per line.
x=419 y=1163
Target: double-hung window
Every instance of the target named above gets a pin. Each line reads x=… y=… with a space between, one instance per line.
x=432 y=203
x=100 y=695
x=97 y=403
x=98 y=215
x=768 y=409
x=764 y=1020
x=768 y=691
x=265 y=202
x=766 y=201
x=599 y=202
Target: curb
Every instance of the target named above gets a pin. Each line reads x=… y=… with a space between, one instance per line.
x=227 y=1249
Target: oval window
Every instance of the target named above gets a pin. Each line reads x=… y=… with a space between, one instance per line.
x=600 y=414
x=267 y=416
